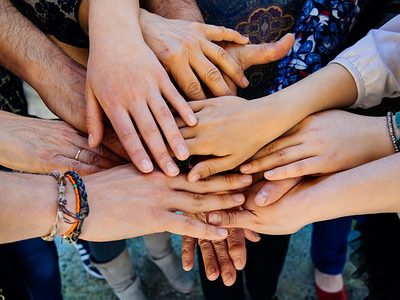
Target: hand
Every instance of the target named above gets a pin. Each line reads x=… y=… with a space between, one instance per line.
x=40 y=146
x=286 y=216
x=126 y=80
x=231 y=129
x=222 y=257
x=321 y=144
x=129 y=203
x=186 y=49
x=250 y=55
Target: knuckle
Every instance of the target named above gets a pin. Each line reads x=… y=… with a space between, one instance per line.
x=92 y=158
x=212 y=74
x=193 y=89
x=189 y=224
x=126 y=132
x=299 y=167
x=150 y=130
x=164 y=113
x=74 y=165
x=222 y=54
x=282 y=155
x=198 y=200
x=208 y=169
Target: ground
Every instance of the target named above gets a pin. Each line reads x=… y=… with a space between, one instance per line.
x=295 y=283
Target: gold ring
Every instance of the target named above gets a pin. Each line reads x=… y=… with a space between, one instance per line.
x=78 y=153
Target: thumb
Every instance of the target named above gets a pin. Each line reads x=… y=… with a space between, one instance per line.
x=265 y=53
x=94 y=119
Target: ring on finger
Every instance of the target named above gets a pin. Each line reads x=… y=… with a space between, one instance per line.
x=78 y=153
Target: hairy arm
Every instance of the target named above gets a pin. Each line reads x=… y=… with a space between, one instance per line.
x=29 y=54
x=172 y=9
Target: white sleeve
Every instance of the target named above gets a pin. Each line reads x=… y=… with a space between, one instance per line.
x=374 y=63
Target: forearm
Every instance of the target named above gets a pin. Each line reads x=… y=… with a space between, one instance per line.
x=108 y=21
x=328 y=88
x=173 y=9
x=45 y=67
x=371 y=188
x=28 y=206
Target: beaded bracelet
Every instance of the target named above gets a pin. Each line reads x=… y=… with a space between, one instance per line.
x=82 y=206
x=391 y=131
x=62 y=210
x=397 y=122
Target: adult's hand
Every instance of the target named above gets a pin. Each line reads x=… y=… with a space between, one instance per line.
x=323 y=143
x=285 y=216
x=40 y=146
x=127 y=203
x=220 y=257
x=126 y=80
x=187 y=52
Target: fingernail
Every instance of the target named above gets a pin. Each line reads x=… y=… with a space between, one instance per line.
x=246 y=178
x=245 y=168
x=211 y=271
x=238 y=198
x=269 y=174
x=192 y=120
x=222 y=232
x=261 y=197
x=186 y=265
x=245 y=81
x=238 y=264
x=147 y=165
x=172 y=169
x=194 y=178
x=214 y=219
x=228 y=278
x=90 y=140
x=183 y=151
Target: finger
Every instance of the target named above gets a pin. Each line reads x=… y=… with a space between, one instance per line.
x=187 y=81
x=299 y=168
x=280 y=158
x=237 y=247
x=180 y=123
x=213 y=184
x=196 y=146
x=226 y=267
x=225 y=62
x=260 y=54
x=221 y=33
x=231 y=219
x=232 y=86
x=208 y=167
x=209 y=75
x=252 y=236
x=126 y=132
x=154 y=141
x=187 y=132
x=112 y=142
x=196 y=106
x=210 y=259
x=168 y=126
x=176 y=100
x=67 y=164
x=183 y=225
x=278 y=144
x=272 y=191
x=188 y=252
x=94 y=117
x=91 y=158
x=197 y=203
x=102 y=151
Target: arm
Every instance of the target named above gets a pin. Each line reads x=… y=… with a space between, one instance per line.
x=371 y=188
x=40 y=146
x=46 y=68
x=172 y=9
x=117 y=198
x=234 y=129
x=374 y=65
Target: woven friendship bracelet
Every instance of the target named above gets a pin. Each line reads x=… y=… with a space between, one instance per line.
x=62 y=211
x=389 y=119
x=82 y=206
x=397 y=123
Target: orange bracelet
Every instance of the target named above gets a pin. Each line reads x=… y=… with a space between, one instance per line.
x=78 y=207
